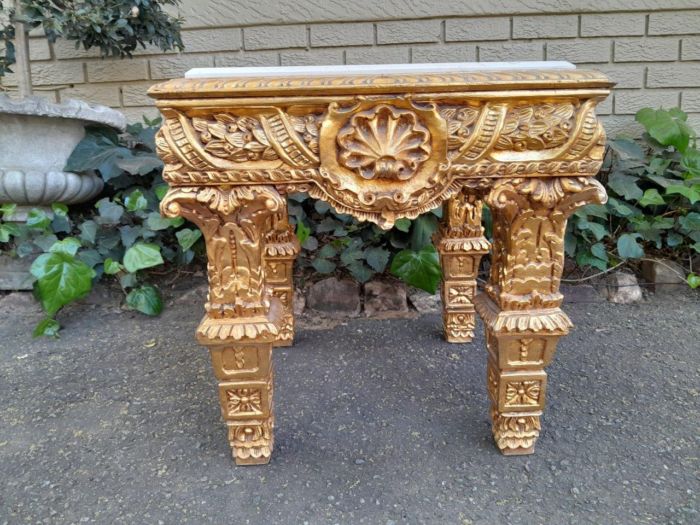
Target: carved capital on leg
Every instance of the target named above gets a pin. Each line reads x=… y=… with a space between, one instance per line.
x=243 y=317
x=520 y=308
x=281 y=249
x=461 y=243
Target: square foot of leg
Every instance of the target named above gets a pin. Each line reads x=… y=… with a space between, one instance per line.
x=262 y=460
x=518 y=451
x=459 y=339
x=282 y=343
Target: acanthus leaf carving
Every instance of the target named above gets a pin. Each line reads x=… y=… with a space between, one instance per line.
x=233 y=221
x=529 y=219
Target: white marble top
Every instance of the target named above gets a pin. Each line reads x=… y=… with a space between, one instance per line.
x=371 y=69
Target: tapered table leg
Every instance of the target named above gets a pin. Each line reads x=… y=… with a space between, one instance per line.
x=461 y=243
x=243 y=316
x=521 y=306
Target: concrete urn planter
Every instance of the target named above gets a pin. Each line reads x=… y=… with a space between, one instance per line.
x=36 y=139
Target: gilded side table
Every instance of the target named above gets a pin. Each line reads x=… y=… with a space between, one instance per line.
x=381 y=143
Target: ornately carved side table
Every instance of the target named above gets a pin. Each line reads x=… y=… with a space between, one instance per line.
x=381 y=143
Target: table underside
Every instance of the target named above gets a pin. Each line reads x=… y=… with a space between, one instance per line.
x=527 y=145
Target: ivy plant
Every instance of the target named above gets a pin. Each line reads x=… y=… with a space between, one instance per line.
x=333 y=243
x=122 y=235
x=653 y=206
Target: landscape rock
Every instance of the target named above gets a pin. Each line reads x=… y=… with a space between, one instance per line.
x=335 y=297
x=14 y=273
x=664 y=277
x=423 y=301
x=19 y=303
x=385 y=299
x=623 y=288
x=581 y=293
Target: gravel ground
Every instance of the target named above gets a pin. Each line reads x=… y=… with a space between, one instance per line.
x=377 y=422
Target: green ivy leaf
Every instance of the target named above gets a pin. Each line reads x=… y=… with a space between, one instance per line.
x=323 y=265
x=310 y=243
x=693 y=280
x=691 y=162
x=59 y=209
x=599 y=251
x=146 y=299
x=622 y=209
x=38 y=219
x=418 y=268
x=377 y=258
x=302 y=232
x=351 y=254
x=135 y=201
x=129 y=234
x=160 y=190
x=61 y=278
x=110 y=212
x=666 y=127
x=328 y=224
x=598 y=230
x=359 y=271
x=626 y=186
x=69 y=245
x=652 y=197
x=88 y=231
x=585 y=258
x=690 y=222
x=674 y=239
x=112 y=267
x=7 y=231
x=47 y=327
x=403 y=225
x=327 y=251
x=628 y=247
x=627 y=148
x=156 y=222
x=142 y=255
x=7 y=209
x=692 y=193
x=187 y=237
x=422 y=231
x=321 y=207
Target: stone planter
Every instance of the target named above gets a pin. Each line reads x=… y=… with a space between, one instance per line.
x=36 y=139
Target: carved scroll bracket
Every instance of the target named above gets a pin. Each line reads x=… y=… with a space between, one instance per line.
x=234 y=221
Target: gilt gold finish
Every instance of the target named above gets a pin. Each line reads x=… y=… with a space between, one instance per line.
x=526 y=143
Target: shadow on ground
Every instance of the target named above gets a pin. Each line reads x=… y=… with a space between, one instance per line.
x=377 y=422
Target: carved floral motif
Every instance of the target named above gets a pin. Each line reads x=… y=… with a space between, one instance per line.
x=244 y=400
x=384 y=142
x=239 y=138
x=515 y=434
x=536 y=127
x=523 y=393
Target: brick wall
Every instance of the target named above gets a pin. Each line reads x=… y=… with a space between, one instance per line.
x=653 y=54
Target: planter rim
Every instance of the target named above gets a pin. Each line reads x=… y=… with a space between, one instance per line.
x=70 y=109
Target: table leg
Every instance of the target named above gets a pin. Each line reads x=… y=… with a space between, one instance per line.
x=281 y=249
x=461 y=243
x=243 y=317
x=521 y=306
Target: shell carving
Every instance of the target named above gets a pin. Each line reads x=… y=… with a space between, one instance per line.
x=384 y=142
